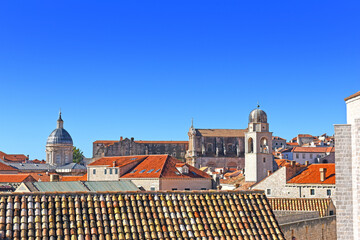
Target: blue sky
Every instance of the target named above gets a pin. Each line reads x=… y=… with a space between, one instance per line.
x=143 y=69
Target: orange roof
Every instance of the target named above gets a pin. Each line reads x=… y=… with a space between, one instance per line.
x=314 y=149
x=4 y=167
x=119 y=161
x=305 y=135
x=16 y=178
x=278 y=138
x=40 y=176
x=38 y=161
x=221 y=132
x=74 y=178
x=352 y=96
x=13 y=157
x=162 y=166
x=292 y=144
x=311 y=175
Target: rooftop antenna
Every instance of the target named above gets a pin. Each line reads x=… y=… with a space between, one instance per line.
x=192 y=122
x=258 y=106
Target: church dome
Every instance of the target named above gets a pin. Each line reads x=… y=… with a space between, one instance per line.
x=59 y=135
x=257 y=116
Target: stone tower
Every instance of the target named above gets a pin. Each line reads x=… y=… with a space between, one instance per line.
x=258 y=145
x=59 y=146
x=347 y=167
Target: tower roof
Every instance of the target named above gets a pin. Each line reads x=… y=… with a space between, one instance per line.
x=257 y=116
x=59 y=135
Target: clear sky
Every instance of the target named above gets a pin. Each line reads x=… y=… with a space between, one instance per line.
x=143 y=69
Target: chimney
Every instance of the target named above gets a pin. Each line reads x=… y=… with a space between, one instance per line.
x=292 y=163
x=121 y=138
x=132 y=139
x=114 y=163
x=307 y=163
x=322 y=174
x=268 y=172
x=54 y=178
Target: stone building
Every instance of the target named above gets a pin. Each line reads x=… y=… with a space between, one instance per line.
x=59 y=146
x=129 y=147
x=248 y=149
x=347 y=162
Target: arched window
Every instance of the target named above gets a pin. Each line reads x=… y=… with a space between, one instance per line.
x=250 y=145
x=209 y=147
x=264 y=147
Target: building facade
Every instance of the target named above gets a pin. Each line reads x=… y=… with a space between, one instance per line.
x=347 y=157
x=59 y=146
x=130 y=147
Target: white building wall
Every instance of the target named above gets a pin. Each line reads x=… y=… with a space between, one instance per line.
x=149 y=184
x=99 y=174
x=184 y=184
x=301 y=157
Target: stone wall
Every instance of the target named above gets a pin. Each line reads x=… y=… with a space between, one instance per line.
x=294 y=216
x=344 y=182
x=311 y=229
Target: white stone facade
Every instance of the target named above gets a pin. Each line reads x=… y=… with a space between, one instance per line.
x=347 y=157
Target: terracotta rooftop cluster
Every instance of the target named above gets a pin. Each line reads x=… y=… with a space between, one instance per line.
x=135 y=215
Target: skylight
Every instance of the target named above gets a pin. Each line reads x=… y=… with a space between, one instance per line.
x=133 y=171
x=132 y=158
x=157 y=170
x=142 y=171
x=177 y=173
x=150 y=170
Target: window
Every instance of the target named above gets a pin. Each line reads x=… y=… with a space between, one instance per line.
x=328 y=192
x=116 y=171
x=174 y=154
x=297 y=155
x=110 y=171
x=94 y=171
x=152 y=188
x=105 y=171
x=157 y=170
x=250 y=145
x=264 y=160
x=268 y=191
x=150 y=170
x=311 y=156
x=174 y=189
x=312 y=192
x=203 y=188
x=133 y=171
x=142 y=171
x=187 y=189
x=331 y=212
x=303 y=155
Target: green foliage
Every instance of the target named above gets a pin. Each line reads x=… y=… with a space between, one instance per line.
x=77 y=155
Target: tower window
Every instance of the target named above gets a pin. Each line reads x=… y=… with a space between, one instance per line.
x=250 y=145
x=264 y=159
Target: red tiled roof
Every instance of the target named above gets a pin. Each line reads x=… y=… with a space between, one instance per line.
x=37 y=161
x=4 y=167
x=162 y=166
x=292 y=144
x=119 y=161
x=311 y=175
x=221 y=132
x=40 y=176
x=17 y=178
x=278 y=138
x=352 y=96
x=314 y=149
x=13 y=157
x=305 y=135
x=74 y=178
x=320 y=205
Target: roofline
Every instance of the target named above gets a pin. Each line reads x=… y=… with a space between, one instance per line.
x=352 y=96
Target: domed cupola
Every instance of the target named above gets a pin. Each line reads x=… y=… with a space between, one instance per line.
x=59 y=135
x=257 y=116
x=59 y=146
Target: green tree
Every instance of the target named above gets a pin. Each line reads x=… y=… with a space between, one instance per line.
x=77 y=155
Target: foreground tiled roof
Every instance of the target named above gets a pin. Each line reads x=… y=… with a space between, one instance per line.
x=221 y=132
x=12 y=157
x=149 y=215
x=352 y=96
x=320 y=205
x=311 y=175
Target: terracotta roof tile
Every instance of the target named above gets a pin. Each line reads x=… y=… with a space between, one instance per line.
x=320 y=205
x=119 y=161
x=74 y=178
x=139 y=215
x=13 y=157
x=313 y=149
x=352 y=96
x=311 y=175
x=4 y=167
x=16 y=178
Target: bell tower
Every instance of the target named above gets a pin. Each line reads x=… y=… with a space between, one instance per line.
x=258 y=147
